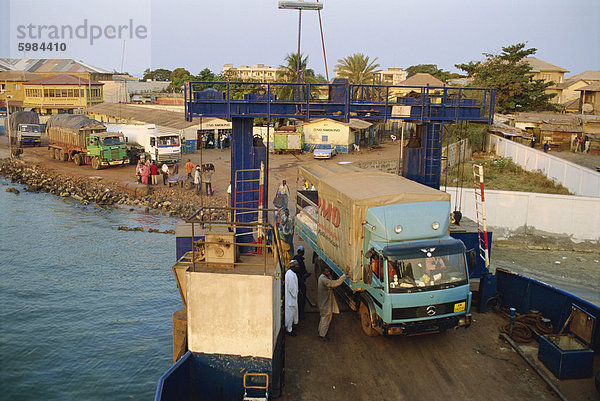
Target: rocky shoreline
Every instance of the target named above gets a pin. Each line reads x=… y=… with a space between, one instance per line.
x=176 y=202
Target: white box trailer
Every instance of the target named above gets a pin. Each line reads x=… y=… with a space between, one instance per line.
x=146 y=138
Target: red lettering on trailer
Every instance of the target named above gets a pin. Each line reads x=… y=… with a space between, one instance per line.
x=330 y=212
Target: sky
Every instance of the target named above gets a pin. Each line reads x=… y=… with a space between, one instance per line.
x=198 y=34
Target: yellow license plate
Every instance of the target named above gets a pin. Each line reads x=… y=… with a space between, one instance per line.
x=459 y=307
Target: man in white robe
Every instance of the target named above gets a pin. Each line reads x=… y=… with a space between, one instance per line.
x=291 y=298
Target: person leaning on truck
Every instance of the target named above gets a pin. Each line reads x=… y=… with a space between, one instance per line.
x=326 y=299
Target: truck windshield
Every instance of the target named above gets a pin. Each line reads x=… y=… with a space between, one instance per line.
x=29 y=128
x=111 y=140
x=432 y=271
x=168 y=140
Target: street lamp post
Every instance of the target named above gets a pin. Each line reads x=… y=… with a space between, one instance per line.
x=299 y=5
x=6 y=97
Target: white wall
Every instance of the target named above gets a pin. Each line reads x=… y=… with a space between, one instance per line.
x=232 y=314
x=508 y=212
x=337 y=133
x=577 y=179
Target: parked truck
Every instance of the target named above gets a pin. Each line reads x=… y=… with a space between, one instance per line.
x=84 y=141
x=24 y=128
x=407 y=275
x=146 y=139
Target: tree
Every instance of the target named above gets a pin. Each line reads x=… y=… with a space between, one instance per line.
x=179 y=73
x=290 y=75
x=431 y=69
x=516 y=89
x=160 y=74
x=357 y=68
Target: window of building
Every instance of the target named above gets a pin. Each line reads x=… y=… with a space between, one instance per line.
x=324 y=138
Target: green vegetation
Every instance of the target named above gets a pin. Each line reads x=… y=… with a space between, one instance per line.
x=431 y=69
x=503 y=174
x=475 y=133
x=516 y=90
x=357 y=68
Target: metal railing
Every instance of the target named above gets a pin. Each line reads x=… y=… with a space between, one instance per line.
x=338 y=101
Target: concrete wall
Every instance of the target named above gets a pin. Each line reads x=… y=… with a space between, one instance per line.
x=457 y=151
x=337 y=133
x=577 y=179
x=231 y=314
x=510 y=212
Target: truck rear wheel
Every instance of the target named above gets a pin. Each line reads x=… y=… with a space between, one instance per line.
x=95 y=163
x=52 y=153
x=365 y=321
x=78 y=159
x=58 y=154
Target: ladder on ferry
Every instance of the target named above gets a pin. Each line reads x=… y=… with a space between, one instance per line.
x=480 y=214
x=250 y=181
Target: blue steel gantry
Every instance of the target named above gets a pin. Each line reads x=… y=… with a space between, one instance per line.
x=430 y=107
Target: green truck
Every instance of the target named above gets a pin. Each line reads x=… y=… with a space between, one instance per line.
x=85 y=141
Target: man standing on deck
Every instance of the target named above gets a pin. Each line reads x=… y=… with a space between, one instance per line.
x=302 y=276
x=291 y=298
x=326 y=299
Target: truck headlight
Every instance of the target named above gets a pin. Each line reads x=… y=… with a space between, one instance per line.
x=398 y=229
x=435 y=225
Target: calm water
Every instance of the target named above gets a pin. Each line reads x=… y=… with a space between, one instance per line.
x=85 y=309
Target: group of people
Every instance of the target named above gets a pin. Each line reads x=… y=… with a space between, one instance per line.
x=580 y=144
x=147 y=172
x=295 y=295
x=201 y=174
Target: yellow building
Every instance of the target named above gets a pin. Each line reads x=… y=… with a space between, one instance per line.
x=570 y=88
x=61 y=94
x=11 y=84
x=256 y=73
x=547 y=72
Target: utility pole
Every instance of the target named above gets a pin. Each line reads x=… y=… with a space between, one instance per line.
x=6 y=97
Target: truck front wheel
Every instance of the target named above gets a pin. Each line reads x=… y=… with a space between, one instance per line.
x=95 y=163
x=365 y=320
x=52 y=153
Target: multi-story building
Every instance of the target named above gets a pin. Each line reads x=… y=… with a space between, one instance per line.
x=391 y=76
x=61 y=94
x=543 y=70
x=11 y=87
x=257 y=72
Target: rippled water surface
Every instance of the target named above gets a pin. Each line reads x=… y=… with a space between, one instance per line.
x=85 y=309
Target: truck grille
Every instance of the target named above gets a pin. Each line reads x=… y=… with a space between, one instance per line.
x=169 y=156
x=421 y=311
x=112 y=154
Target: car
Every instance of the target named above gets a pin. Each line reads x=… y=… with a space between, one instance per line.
x=324 y=151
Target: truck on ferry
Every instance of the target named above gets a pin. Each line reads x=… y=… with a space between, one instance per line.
x=407 y=274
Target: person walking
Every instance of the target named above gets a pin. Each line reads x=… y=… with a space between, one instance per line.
x=222 y=141
x=198 y=180
x=284 y=190
x=302 y=276
x=206 y=177
x=291 y=298
x=189 y=166
x=326 y=299
x=154 y=173
x=165 y=173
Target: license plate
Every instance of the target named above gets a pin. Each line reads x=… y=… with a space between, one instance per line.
x=459 y=307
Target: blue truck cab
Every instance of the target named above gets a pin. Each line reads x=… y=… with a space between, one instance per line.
x=407 y=275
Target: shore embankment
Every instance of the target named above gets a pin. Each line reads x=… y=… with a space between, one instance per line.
x=176 y=201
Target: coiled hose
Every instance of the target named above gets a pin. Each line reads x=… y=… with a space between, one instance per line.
x=524 y=325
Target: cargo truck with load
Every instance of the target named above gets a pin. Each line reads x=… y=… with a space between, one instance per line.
x=142 y=139
x=84 y=141
x=24 y=126
x=407 y=275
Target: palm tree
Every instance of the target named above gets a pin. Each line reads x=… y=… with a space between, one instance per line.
x=357 y=68
x=290 y=75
